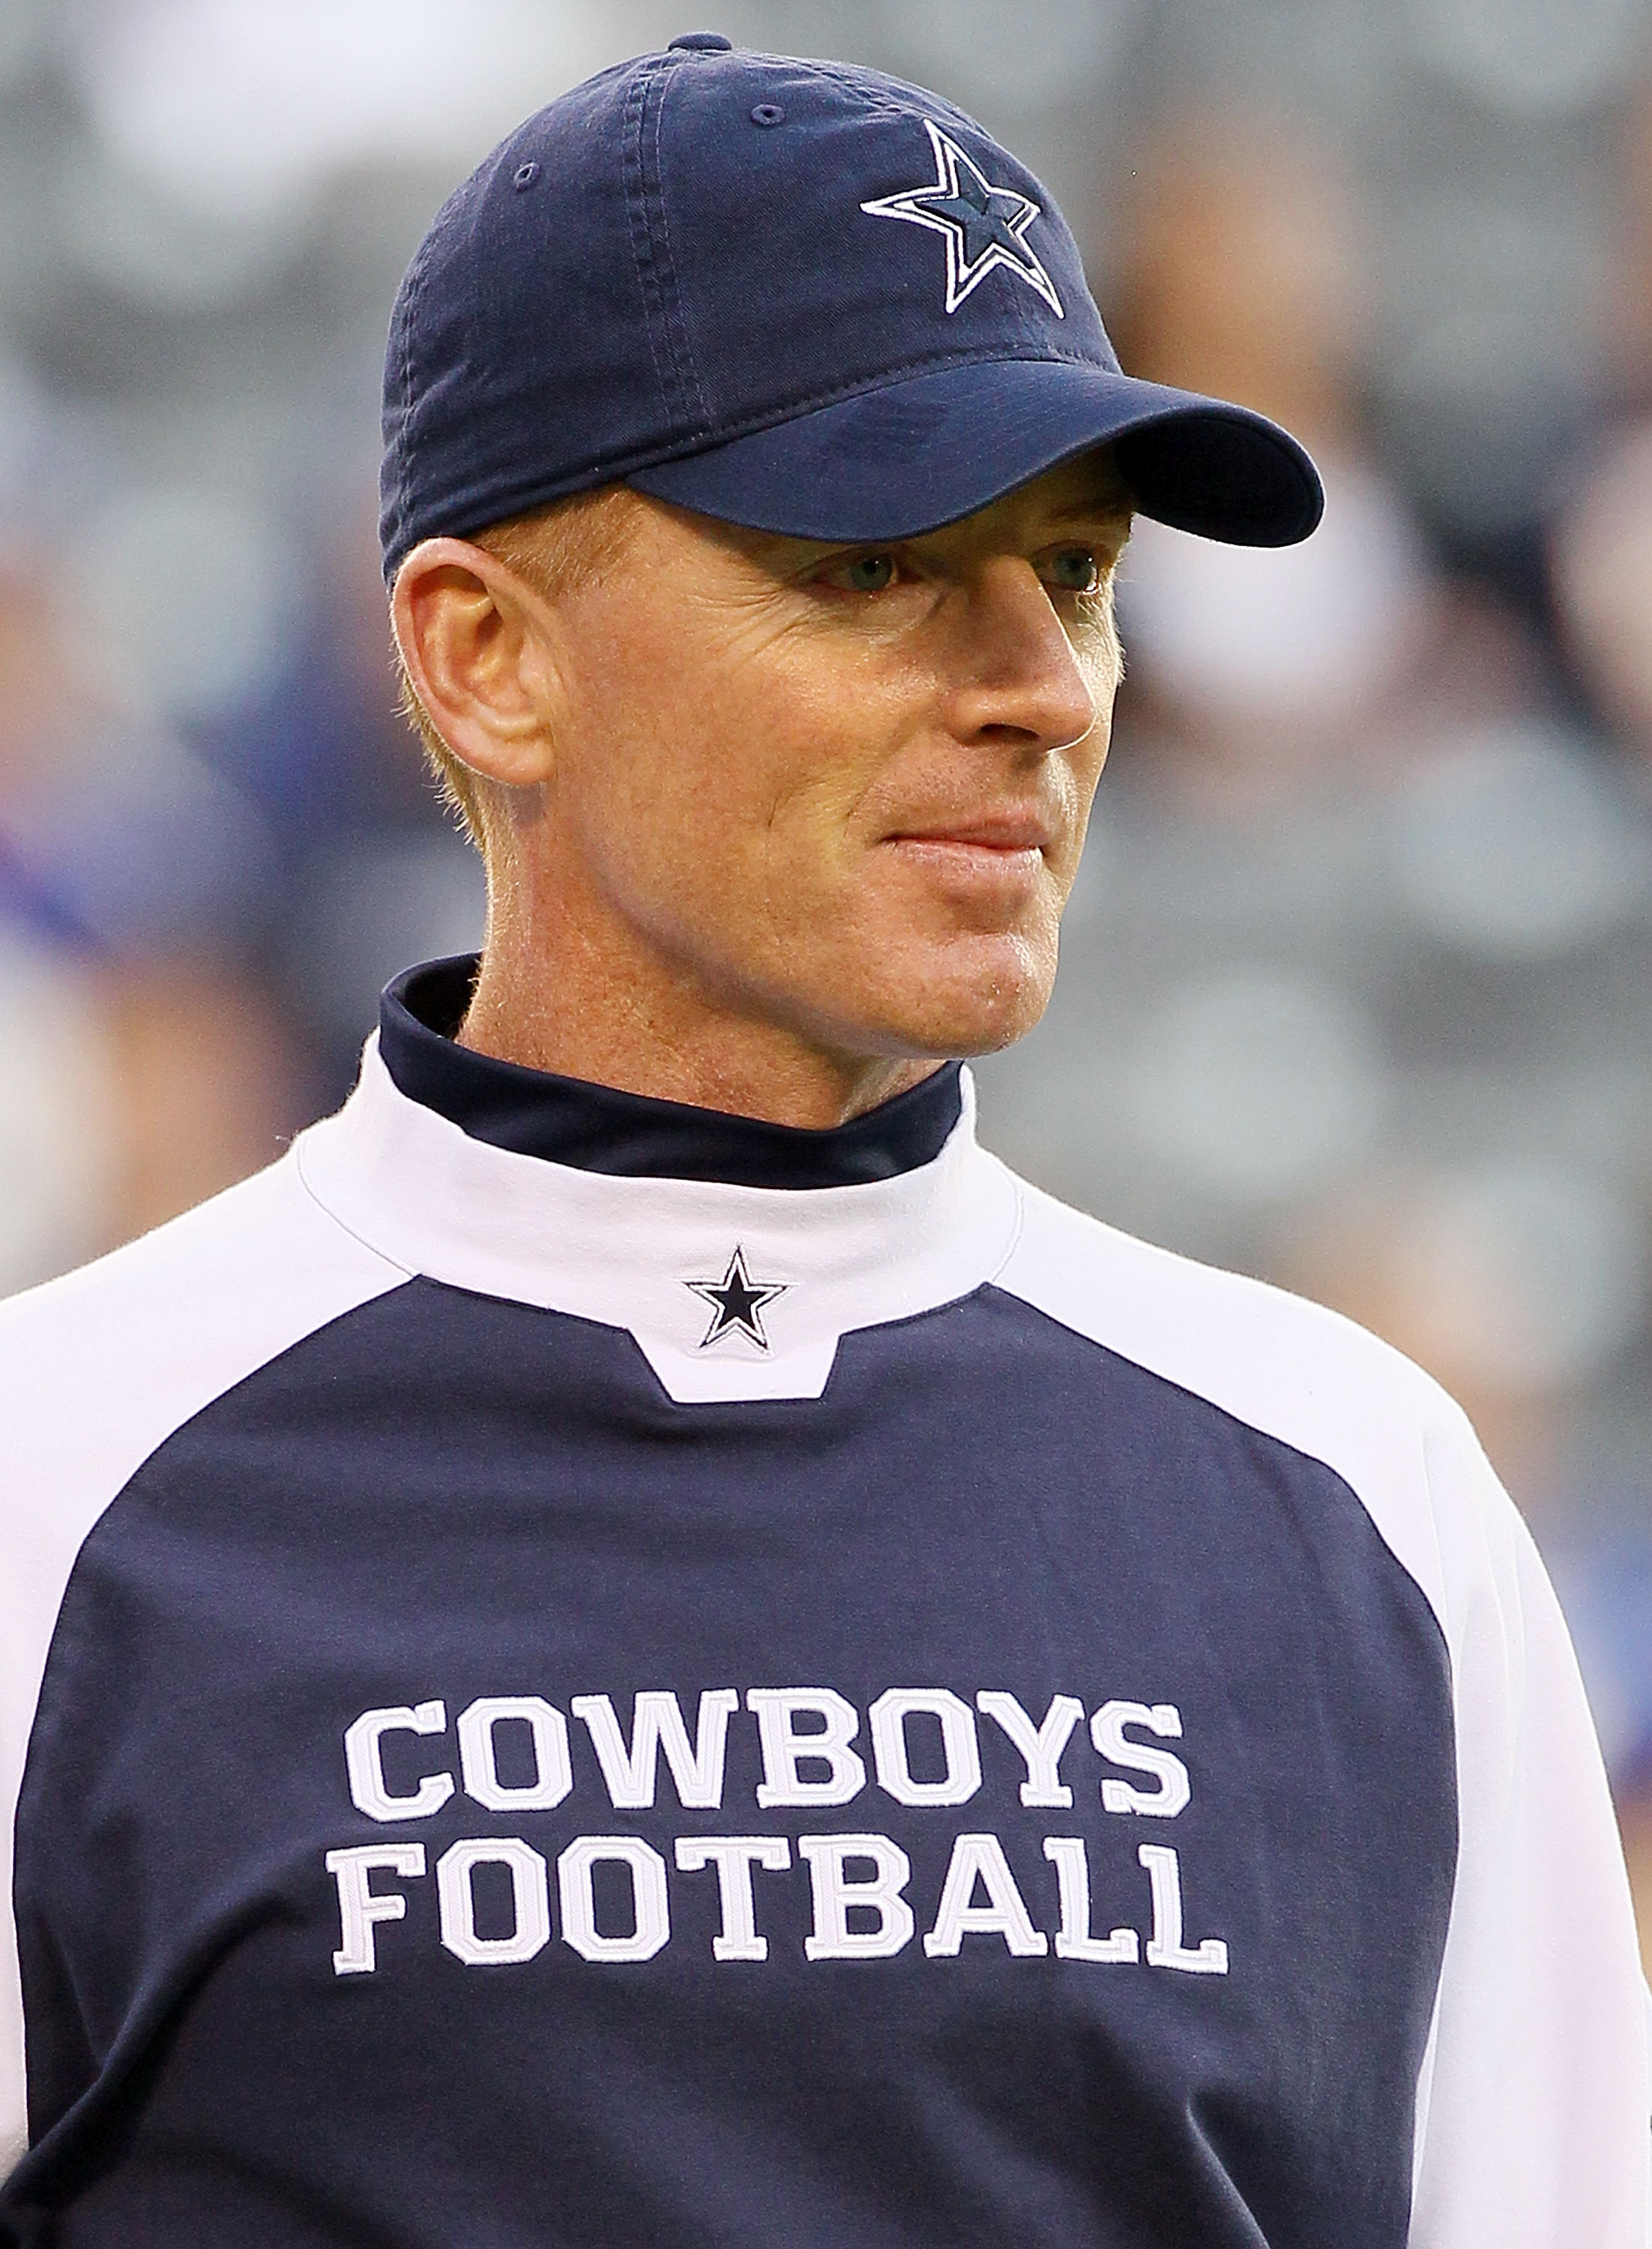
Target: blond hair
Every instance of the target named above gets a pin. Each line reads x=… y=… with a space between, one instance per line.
x=556 y=550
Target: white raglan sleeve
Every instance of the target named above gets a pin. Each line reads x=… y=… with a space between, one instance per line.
x=1532 y=2109
x=97 y=1369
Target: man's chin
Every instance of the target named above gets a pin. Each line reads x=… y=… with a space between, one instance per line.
x=949 y=1016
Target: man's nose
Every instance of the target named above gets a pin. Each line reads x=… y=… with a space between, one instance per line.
x=1020 y=676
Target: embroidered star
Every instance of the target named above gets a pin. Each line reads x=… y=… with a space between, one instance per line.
x=984 y=226
x=737 y=1301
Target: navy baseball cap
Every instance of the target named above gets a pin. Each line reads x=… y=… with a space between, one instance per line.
x=799 y=296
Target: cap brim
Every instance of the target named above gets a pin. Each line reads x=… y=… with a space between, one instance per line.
x=912 y=454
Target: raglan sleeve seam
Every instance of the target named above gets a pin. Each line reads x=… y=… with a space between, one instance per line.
x=394 y=1264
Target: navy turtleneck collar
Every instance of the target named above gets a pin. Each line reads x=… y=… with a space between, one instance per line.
x=595 y=1128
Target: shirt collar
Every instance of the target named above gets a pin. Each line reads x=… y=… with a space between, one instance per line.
x=596 y=1128
x=729 y=1291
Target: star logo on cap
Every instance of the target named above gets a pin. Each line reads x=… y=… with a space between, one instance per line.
x=737 y=1302
x=984 y=227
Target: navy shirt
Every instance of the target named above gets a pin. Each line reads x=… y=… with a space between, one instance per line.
x=600 y=1674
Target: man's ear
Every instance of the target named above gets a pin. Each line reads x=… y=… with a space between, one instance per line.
x=476 y=641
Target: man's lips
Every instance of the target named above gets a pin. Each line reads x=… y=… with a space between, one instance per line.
x=1005 y=832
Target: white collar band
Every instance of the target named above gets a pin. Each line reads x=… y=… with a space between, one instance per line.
x=729 y=1291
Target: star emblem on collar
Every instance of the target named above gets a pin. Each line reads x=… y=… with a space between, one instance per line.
x=984 y=226
x=737 y=1302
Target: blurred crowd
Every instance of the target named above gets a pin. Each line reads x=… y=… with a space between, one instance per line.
x=1357 y=986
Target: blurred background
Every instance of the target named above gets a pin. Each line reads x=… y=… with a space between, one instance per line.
x=1357 y=989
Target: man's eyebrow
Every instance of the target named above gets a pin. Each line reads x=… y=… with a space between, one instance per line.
x=1115 y=508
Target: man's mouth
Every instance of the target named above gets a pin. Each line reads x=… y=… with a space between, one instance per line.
x=1008 y=833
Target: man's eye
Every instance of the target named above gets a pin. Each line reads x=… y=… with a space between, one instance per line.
x=1075 y=570
x=870 y=574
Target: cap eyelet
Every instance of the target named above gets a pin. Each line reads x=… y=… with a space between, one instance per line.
x=768 y=113
x=524 y=176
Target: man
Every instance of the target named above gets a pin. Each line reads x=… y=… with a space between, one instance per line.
x=638 y=1644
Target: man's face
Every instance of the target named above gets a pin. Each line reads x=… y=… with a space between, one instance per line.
x=844 y=790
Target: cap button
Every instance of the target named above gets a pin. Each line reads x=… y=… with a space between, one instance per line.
x=704 y=43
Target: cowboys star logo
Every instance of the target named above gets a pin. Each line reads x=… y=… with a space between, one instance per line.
x=984 y=226
x=737 y=1302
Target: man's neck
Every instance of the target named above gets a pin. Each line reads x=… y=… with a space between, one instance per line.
x=567 y=1011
